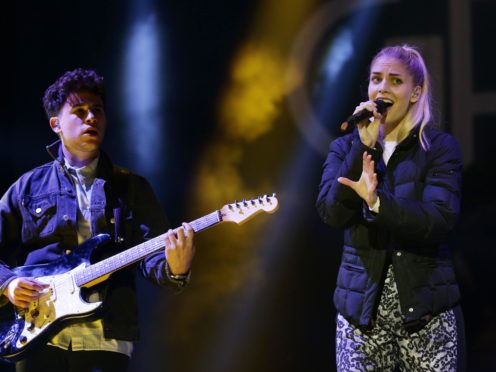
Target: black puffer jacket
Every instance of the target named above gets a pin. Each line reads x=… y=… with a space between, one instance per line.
x=419 y=194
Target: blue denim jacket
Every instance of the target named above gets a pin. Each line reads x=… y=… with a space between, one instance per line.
x=38 y=225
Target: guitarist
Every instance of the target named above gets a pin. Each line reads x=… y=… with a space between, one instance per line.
x=53 y=208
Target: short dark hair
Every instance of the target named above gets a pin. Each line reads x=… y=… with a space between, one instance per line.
x=78 y=80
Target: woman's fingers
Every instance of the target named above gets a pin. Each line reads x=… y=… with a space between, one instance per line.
x=346 y=181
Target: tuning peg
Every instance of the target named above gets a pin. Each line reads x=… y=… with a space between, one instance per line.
x=245 y=203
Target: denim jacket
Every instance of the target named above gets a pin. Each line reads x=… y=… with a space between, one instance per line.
x=38 y=225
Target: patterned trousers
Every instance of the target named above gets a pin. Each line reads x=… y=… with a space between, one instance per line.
x=389 y=347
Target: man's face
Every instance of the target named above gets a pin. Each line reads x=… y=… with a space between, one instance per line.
x=81 y=124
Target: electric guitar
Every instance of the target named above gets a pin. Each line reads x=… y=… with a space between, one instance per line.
x=62 y=302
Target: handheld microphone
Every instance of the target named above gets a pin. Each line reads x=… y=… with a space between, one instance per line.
x=365 y=114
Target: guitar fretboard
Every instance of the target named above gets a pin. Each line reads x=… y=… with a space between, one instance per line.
x=137 y=253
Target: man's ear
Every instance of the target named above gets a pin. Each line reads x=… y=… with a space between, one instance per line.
x=54 y=124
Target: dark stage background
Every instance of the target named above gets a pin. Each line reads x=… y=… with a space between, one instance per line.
x=221 y=100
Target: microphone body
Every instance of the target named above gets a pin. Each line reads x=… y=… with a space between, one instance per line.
x=365 y=114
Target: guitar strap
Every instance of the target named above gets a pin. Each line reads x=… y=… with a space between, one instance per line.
x=123 y=190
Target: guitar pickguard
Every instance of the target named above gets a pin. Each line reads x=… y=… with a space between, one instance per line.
x=21 y=329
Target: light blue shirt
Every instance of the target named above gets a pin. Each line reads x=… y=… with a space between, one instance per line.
x=87 y=335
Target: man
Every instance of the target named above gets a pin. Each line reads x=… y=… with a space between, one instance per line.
x=49 y=211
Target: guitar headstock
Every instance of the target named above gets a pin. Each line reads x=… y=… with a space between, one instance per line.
x=241 y=211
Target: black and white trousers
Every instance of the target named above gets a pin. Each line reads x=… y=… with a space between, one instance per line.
x=389 y=347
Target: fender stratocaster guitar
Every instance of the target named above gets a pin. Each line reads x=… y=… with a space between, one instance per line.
x=62 y=302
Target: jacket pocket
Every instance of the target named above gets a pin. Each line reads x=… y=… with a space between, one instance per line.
x=39 y=216
x=352 y=278
x=352 y=274
x=353 y=268
x=446 y=172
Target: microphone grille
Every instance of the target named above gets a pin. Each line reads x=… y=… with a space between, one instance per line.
x=382 y=105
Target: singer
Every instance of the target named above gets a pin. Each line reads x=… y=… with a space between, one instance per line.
x=393 y=185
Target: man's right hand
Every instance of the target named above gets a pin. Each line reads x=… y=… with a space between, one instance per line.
x=22 y=291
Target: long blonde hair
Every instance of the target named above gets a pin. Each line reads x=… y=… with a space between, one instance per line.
x=420 y=112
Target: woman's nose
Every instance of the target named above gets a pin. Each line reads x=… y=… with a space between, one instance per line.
x=383 y=86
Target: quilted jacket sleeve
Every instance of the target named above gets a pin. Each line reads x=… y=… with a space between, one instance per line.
x=337 y=204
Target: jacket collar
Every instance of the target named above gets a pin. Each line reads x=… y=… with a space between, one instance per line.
x=411 y=139
x=103 y=170
x=55 y=151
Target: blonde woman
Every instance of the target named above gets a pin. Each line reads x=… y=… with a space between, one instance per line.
x=393 y=185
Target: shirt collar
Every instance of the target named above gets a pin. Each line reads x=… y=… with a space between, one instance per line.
x=87 y=171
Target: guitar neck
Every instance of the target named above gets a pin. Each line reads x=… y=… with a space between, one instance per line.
x=112 y=264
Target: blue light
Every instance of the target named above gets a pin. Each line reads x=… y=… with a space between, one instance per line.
x=143 y=95
x=340 y=52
